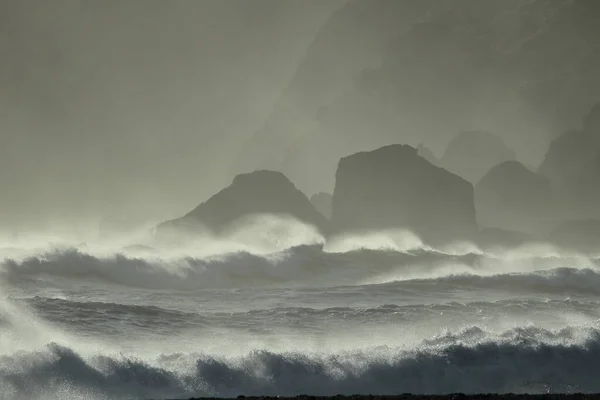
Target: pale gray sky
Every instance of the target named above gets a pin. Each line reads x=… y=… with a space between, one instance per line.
x=145 y=108
x=136 y=106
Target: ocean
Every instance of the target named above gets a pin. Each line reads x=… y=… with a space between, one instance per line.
x=273 y=308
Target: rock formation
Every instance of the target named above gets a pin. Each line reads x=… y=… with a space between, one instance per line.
x=259 y=192
x=511 y=197
x=566 y=156
x=322 y=202
x=472 y=154
x=572 y=163
x=393 y=187
x=427 y=154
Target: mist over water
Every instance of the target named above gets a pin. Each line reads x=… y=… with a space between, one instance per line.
x=272 y=307
x=267 y=197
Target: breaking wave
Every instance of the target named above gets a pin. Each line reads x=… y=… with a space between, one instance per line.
x=275 y=309
x=303 y=265
x=470 y=361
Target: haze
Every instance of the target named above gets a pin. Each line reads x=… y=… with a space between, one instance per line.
x=140 y=110
x=111 y=107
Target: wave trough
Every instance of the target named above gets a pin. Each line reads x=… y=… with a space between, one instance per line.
x=381 y=313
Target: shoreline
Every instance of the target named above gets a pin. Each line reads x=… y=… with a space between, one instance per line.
x=454 y=396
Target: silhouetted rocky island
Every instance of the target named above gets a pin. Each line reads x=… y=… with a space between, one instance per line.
x=394 y=187
x=259 y=192
x=512 y=197
x=572 y=164
x=566 y=156
x=402 y=187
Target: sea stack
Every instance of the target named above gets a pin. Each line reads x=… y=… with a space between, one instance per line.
x=572 y=164
x=394 y=187
x=512 y=197
x=256 y=193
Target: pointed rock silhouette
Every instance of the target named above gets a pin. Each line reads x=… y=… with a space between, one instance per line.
x=259 y=192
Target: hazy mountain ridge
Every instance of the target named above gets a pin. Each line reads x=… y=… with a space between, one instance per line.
x=441 y=201
x=516 y=68
x=353 y=38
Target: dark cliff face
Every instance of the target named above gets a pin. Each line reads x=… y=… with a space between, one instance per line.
x=567 y=155
x=512 y=197
x=584 y=188
x=259 y=192
x=393 y=187
x=572 y=164
x=472 y=154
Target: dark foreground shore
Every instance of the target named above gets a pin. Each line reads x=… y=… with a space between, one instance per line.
x=574 y=396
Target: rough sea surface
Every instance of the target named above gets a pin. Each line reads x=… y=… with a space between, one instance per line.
x=274 y=309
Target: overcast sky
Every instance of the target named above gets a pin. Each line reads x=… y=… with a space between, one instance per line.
x=136 y=107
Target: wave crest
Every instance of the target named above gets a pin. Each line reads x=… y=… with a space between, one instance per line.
x=521 y=360
x=306 y=265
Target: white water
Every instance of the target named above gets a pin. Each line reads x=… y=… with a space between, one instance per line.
x=272 y=308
